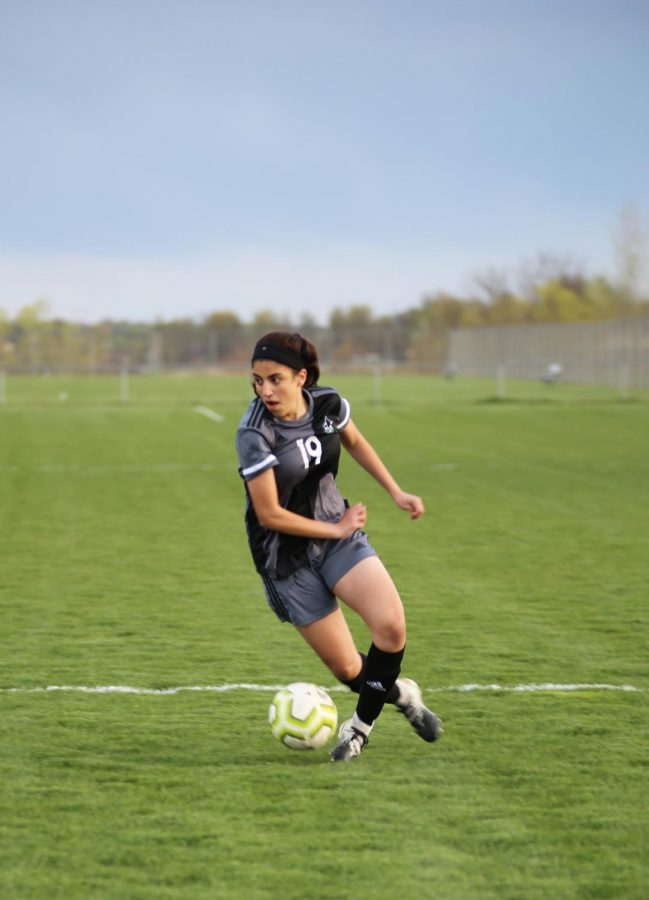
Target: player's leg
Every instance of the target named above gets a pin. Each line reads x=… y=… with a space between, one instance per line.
x=331 y=639
x=369 y=590
x=305 y=600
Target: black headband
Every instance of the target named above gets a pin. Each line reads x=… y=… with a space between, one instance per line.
x=279 y=354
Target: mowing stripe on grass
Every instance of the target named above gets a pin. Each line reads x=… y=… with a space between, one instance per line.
x=209 y=413
x=128 y=468
x=548 y=687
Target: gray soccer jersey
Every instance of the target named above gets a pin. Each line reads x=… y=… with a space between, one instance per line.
x=304 y=455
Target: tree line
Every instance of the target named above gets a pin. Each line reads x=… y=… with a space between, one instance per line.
x=550 y=291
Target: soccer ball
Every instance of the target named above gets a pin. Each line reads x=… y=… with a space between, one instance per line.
x=302 y=716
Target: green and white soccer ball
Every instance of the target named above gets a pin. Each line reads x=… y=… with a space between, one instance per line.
x=303 y=716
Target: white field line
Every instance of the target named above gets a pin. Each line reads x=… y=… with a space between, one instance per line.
x=209 y=413
x=548 y=687
x=544 y=687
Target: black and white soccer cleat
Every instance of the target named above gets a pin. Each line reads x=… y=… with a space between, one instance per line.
x=350 y=743
x=427 y=725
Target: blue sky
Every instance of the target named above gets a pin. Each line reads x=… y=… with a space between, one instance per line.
x=171 y=158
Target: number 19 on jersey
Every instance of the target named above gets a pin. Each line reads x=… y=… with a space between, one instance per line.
x=311 y=449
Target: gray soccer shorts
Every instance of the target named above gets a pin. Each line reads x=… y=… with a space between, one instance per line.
x=307 y=595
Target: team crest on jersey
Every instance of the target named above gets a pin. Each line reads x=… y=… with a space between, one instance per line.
x=328 y=426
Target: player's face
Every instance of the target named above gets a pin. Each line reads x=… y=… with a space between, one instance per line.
x=279 y=388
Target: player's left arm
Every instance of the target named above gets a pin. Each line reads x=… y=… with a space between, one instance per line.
x=360 y=449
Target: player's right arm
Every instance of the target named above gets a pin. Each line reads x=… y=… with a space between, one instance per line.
x=272 y=515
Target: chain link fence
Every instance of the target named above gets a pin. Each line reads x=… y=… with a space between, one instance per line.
x=614 y=353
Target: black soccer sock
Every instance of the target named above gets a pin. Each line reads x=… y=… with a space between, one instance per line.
x=355 y=684
x=380 y=673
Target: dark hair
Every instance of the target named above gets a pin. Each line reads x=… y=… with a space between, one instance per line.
x=293 y=350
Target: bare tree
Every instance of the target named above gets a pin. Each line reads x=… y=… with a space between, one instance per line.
x=493 y=282
x=546 y=267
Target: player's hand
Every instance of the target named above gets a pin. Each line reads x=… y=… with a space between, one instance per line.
x=411 y=503
x=355 y=517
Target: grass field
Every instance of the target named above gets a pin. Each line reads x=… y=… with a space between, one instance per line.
x=123 y=562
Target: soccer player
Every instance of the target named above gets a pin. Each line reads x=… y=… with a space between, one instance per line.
x=307 y=543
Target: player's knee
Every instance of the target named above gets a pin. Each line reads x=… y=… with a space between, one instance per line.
x=390 y=635
x=346 y=670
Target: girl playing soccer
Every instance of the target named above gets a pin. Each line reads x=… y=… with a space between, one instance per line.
x=307 y=543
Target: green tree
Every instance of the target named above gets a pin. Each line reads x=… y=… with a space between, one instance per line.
x=27 y=332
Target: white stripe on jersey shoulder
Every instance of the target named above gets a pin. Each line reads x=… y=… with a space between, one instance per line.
x=345 y=413
x=264 y=464
x=345 y=409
